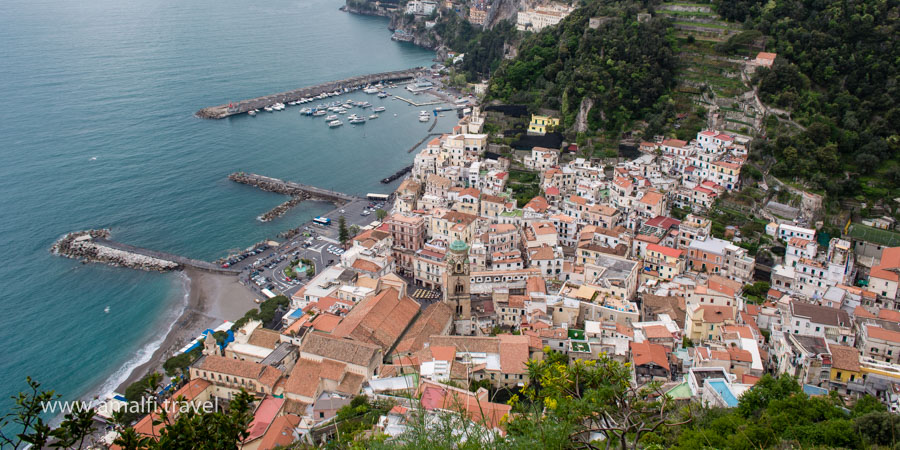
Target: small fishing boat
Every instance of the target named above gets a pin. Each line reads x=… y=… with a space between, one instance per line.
x=251 y=113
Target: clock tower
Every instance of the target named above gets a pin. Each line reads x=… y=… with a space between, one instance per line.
x=456 y=280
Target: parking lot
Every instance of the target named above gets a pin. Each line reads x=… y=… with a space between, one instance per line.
x=263 y=267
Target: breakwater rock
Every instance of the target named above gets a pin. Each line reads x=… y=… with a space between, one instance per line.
x=279 y=210
x=88 y=246
x=397 y=175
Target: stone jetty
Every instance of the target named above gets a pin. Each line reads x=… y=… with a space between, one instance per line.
x=243 y=106
x=95 y=246
x=291 y=188
x=84 y=245
x=279 y=210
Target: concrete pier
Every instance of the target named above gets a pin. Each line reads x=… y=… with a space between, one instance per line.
x=223 y=111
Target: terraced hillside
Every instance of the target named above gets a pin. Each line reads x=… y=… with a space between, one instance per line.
x=706 y=78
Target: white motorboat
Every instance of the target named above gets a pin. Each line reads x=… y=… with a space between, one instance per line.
x=373 y=116
x=358 y=120
x=319 y=112
x=335 y=123
x=268 y=108
x=251 y=113
x=379 y=109
x=423 y=119
x=332 y=117
x=382 y=94
x=371 y=90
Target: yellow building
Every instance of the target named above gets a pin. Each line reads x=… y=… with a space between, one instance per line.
x=539 y=124
x=845 y=365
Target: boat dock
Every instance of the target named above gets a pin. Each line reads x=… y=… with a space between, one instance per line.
x=434 y=102
x=243 y=106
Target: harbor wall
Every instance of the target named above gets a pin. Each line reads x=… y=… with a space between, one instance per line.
x=95 y=246
x=223 y=111
x=291 y=188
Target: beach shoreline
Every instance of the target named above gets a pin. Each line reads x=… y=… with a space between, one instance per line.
x=211 y=299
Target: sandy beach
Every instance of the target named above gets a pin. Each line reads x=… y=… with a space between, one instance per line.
x=213 y=298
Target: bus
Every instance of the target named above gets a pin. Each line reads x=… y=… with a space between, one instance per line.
x=322 y=220
x=377 y=197
x=268 y=293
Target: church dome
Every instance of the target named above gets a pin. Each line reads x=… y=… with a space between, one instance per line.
x=458 y=246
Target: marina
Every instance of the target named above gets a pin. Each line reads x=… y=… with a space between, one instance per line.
x=320 y=91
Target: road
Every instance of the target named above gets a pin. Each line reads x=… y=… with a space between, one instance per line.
x=322 y=238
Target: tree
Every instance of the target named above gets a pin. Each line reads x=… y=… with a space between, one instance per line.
x=25 y=418
x=75 y=427
x=196 y=428
x=380 y=214
x=343 y=232
x=587 y=397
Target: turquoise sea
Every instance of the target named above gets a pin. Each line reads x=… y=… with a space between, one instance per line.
x=97 y=130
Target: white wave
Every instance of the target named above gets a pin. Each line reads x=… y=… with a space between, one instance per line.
x=143 y=355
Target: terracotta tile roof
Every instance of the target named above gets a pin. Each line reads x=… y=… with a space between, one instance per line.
x=844 y=358
x=538 y=204
x=880 y=271
x=189 y=392
x=379 y=319
x=861 y=312
x=304 y=378
x=625 y=330
x=229 y=366
x=821 y=314
x=743 y=331
x=263 y=337
x=513 y=353
x=433 y=320
x=542 y=253
x=352 y=352
x=351 y=384
x=877 y=332
x=674 y=143
x=365 y=266
x=280 y=432
x=716 y=314
x=766 y=56
x=657 y=332
x=889 y=315
x=263 y=417
x=668 y=251
x=645 y=353
x=535 y=284
x=474 y=404
x=517 y=301
x=651 y=198
x=326 y=322
x=740 y=355
x=749 y=379
x=483 y=344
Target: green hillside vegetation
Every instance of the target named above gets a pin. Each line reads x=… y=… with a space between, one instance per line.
x=483 y=48
x=624 y=66
x=836 y=73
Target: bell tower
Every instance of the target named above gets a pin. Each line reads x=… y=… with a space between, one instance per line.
x=456 y=280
